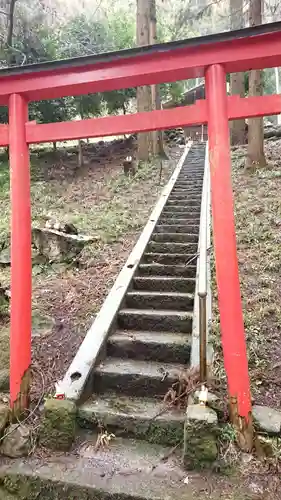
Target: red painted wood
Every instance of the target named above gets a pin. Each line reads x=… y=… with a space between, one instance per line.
x=230 y=306
x=20 y=337
x=155 y=120
x=260 y=51
x=250 y=107
x=4 y=135
x=117 y=125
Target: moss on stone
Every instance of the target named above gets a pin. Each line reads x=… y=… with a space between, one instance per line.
x=200 y=437
x=4 y=347
x=20 y=487
x=5 y=380
x=57 y=430
x=4 y=307
x=167 y=434
x=4 y=495
x=4 y=417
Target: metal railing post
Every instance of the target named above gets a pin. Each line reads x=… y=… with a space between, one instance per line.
x=202 y=274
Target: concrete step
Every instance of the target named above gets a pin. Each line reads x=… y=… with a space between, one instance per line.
x=192 y=188
x=179 y=237
x=185 y=197
x=173 y=228
x=188 y=182
x=149 y=319
x=179 y=207
x=192 y=217
x=163 y=271
x=186 y=191
x=169 y=258
x=150 y=346
x=165 y=283
x=127 y=469
x=180 y=219
x=171 y=247
x=143 y=299
x=192 y=173
x=141 y=418
x=134 y=377
x=184 y=203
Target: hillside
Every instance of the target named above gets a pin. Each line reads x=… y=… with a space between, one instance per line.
x=101 y=202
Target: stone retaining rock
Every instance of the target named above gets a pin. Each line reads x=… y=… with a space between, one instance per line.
x=200 y=437
x=57 y=430
x=267 y=419
x=16 y=442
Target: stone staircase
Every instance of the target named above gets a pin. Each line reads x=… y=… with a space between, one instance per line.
x=151 y=343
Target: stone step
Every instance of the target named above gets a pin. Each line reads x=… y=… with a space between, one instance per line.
x=150 y=346
x=172 y=209
x=192 y=188
x=134 y=377
x=189 y=182
x=141 y=418
x=171 y=247
x=184 y=203
x=169 y=258
x=192 y=172
x=127 y=469
x=163 y=271
x=172 y=228
x=189 y=179
x=193 y=217
x=180 y=219
x=149 y=319
x=185 y=197
x=186 y=191
x=165 y=283
x=179 y=237
x=143 y=299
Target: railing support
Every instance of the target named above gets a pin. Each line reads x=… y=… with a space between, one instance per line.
x=20 y=336
x=202 y=274
x=203 y=337
x=230 y=307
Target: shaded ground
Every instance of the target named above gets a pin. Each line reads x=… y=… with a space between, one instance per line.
x=258 y=220
x=130 y=468
x=101 y=202
x=258 y=225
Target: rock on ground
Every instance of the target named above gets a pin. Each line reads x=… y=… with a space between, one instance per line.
x=57 y=430
x=267 y=419
x=16 y=442
x=200 y=436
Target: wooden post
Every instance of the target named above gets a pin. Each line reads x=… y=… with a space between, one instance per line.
x=230 y=306
x=21 y=273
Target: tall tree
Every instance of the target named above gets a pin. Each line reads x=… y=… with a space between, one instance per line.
x=145 y=144
x=157 y=136
x=237 y=86
x=255 y=156
x=11 y=23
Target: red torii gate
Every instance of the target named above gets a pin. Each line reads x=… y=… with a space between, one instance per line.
x=213 y=57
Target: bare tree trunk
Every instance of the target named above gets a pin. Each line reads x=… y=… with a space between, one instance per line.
x=157 y=136
x=80 y=148
x=255 y=157
x=237 y=86
x=11 y=23
x=143 y=93
x=80 y=154
x=10 y=32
